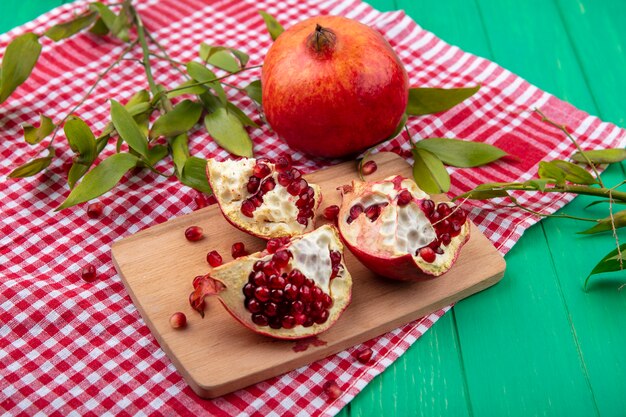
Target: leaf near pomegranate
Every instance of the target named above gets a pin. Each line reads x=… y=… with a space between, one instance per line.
x=397 y=231
x=264 y=198
x=424 y=101
x=298 y=291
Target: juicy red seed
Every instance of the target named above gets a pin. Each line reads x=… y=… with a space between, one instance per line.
x=247 y=208
x=268 y=185
x=356 y=210
x=259 y=279
x=427 y=254
x=262 y=294
x=317 y=307
x=434 y=217
x=332 y=390
x=238 y=249
x=253 y=184
x=305 y=294
x=269 y=268
x=300 y=318
x=428 y=206
x=443 y=209
x=288 y=322
x=259 y=319
x=276 y=295
x=308 y=322
x=434 y=244
x=296 y=187
x=295 y=174
x=254 y=306
x=248 y=289
x=275 y=322
x=404 y=198
x=258 y=266
x=284 y=178
x=331 y=212
x=459 y=215
x=327 y=301
x=303 y=220
x=88 y=273
x=196 y=281
x=335 y=257
x=296 y=278
x=283 y=163
x=273 y=245
x=257 y=200
x=281 y=258
x=291 y=292
x=214 y=258
x=94 y=210
x=302 y=204
x=369 y=168
x=318 y=294
x=297 y=307
x=445 y=238
x=364 y=355
x=322 y=317
x=261 y=170
x=455 y=229
x=309 y=283
x=334 y=272
x=194 y=233
x=443 y=226
x=178 y=320
x=271 y=309
x=276 y=282
x=373 y=212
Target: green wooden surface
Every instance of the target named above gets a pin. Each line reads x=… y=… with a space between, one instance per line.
x=535 y=344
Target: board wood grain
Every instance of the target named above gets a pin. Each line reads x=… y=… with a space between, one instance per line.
x=216 y=355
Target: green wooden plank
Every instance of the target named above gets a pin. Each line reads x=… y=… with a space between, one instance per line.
x=16 y=12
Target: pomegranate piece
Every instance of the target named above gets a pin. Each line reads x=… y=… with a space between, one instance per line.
x=194 y=233
x=332 y=390
x=214 y=258
x=364 y=355
x=94 y=210
x=264 y=198
x=178 y=320
x=298 y=291
x=238 y=250
x=88 y=273
x=397 y=231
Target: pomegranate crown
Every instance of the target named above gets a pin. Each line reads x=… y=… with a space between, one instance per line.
x=322 y=40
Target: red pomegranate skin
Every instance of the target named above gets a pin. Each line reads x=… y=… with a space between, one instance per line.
x=333 y=87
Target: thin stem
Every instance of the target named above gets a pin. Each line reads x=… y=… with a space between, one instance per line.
x=563 y=128
x=243 y=90
x=212 y=80
x=573 y=189
x=563 y=216
x=613 y=229
x=166 y=55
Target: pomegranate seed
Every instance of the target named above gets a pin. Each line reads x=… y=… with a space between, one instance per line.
x=283 y=163
x=455 y=229
x=318 y=294
x=257 y=200
x=296 y=187
x=369 y=168
x=300 y=318
x=322 y=317
x=254 y=306
x=373 y=212
x=291 y=292
x=261 y=170
x=428 y=206
x=334 y=272
x=248 y=289
x=435 y=217
x=259 y=279
x=259 y=319
x=295 y=174
x=445 y=239
x=247 y=208
x=356 y=210
x=214 y=258
x=262 y=294
x=289 y=322
x=284 y=178
x=281 y=258
x=427 y=254
x=269 y=268
x=364 y=355
x=443 y=209
x=276 y=295
x=271 y=309
x=88 y=273
x=404 y=198
x=303 y=220
x=297 y=307
x=308 y=322
x=331 y=212
x=200 y=201
x=459 y=216
x=305 y=294
x=268 y=185
x=309 y=282
x=275 y=322
x=296 y=278
x=178 y=320
x=276 y=282
x=238 y=249
x=443 y=226
x=94 y=210
x=317 y=307
x=335 y=257
x=302 y=203
x=328 y=301
x=253 y=184
x=194 y=233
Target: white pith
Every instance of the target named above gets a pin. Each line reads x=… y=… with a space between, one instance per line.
x=275 y=217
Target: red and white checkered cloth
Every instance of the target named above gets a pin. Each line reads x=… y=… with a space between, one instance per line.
x=72 y=348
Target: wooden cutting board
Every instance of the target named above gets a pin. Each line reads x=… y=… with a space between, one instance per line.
x=217 y=355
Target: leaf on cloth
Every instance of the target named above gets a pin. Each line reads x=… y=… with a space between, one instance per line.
x=67 y=29
x=19 y=60
x=32 y=167
x=228 y=59
x=601 y=156
x=34 y=135
x=128 y=129
x=194 y=175
x=83 y=142
x=429 y=172
x=202 y=74
x=228 y=132
x=105 y=21
x=485 y=192
x=612 y=262
x=435 y=100
x=574 y=173
x=179 y=120
x=180 y=152
x=254 y=91
x=273 y=27
x=461 y=153
x=100 y=179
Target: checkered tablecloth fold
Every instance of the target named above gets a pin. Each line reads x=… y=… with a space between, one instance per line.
x=71 y=348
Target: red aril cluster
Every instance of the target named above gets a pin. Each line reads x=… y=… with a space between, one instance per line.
x=372 y=211
x=448 y=222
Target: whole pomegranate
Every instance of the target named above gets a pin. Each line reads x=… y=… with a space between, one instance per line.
x=332 y=87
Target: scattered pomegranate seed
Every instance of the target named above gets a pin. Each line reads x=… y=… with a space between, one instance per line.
x=404 y=198
x=261 y=170
x=88 y=273
x=369 y=168
x=331 y=212
x=194 y=233
x=273 y=244
x=200 y=201
x=283 y=163
x=94 y=210
x=268 y=185
x=247 y=208
x=427 y=254
x=281 y=258
x=364 y=355
x=214 y=258
x=332 y=390
x=428 y=206
x=238 y=249
x=178 y=320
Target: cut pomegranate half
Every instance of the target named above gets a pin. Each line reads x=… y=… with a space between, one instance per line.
x=299 y=290
x=397 y=231
x=262 y=198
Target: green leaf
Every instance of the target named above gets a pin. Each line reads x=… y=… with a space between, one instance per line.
x=156 y=153
x=243 y=118
x=548 y=170
x=601 y=156
x=204 y=75
x=254 y=91
x=32 y=167
x=273 y=27
x=180 y=152
x=128 y=129
x=434 y=100
x=539 y=185
x=574 y=173
x=67 y=29
x=99 y=28
x=228 y=132
x=83 y=142
x=107 y=15
x=34 y=135
x=593 y=203
x=228 y=59
x=179 y=120
x=429 y=172
x=483 y=194
x=461 y=153
x=100 y=179
x=121 y=25
x=194 y=175
x=187 y=87
x=19 y=60
x=605 y=224
x=612 y=262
